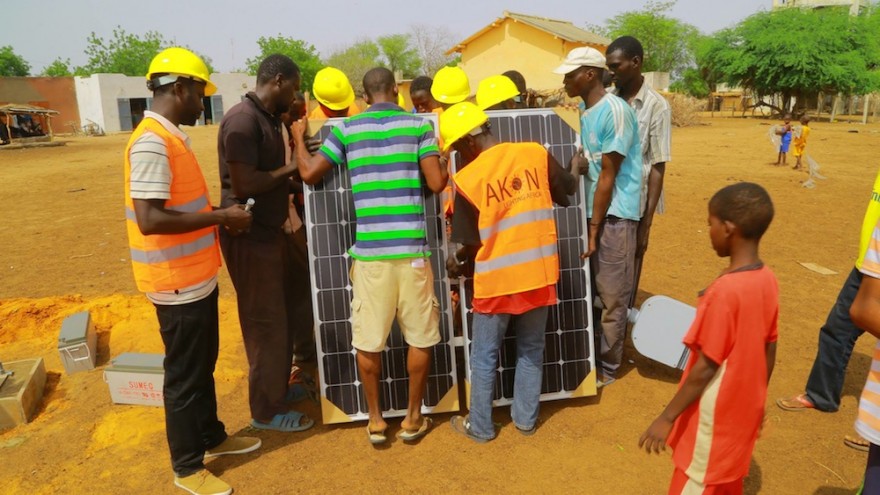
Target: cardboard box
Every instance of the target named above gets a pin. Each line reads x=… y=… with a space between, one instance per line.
x=136 y=378
x=77 y=343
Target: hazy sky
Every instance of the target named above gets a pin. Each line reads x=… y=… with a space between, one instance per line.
x=226 y=31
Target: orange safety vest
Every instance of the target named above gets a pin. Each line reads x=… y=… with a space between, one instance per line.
x=165 y=262
x=509 y=185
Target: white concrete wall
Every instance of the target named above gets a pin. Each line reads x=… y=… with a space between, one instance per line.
x=88 y=100
x=97 y=95
x=657 y=80
x=232 y=86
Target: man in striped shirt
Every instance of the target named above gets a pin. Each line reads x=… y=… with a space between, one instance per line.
x=386 y=150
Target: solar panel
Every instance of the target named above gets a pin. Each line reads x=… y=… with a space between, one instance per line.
x=330 y=224
x=569 y=363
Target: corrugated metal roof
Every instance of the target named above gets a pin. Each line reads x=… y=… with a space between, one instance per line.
x=21 y=108
x=556 y=27
x=560 y=28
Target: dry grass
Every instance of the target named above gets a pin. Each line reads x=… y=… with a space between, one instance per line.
x=685 y=109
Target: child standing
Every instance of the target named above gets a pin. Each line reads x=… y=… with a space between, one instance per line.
x=800 y=142
x=714 y=419
x=784 y=134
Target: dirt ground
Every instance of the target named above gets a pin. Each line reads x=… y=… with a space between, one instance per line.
x=65 y=251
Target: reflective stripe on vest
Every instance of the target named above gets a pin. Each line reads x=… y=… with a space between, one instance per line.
x=509 y=185
x=173 y=252
x=163 y=262
x=516 y=220
x=515 y=258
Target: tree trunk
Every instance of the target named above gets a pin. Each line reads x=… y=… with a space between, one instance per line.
x=834 y=106
x=820 y=100
x=865 y=113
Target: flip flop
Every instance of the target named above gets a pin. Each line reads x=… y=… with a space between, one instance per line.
x=412 y=436
x=796 y=403
x=376 y=437
x=857 y=443
x=604 y=382
x=287 y=422
x=460 y=425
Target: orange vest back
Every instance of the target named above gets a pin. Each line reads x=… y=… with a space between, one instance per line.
x=509 y=185
x=164 y=262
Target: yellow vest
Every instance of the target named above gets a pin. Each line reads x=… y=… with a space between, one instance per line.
x=508 y=184
x=872 y=216
x=165 y=262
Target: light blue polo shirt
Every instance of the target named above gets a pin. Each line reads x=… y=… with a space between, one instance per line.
x=611 y=126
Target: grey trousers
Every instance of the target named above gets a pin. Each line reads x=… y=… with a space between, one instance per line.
x=613 y=273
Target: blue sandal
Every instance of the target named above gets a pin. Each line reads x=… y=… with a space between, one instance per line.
x=291 y=421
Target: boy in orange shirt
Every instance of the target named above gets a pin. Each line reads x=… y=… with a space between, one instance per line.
x=714 y=419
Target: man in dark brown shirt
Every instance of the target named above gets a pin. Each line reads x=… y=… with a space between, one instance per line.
x=252 y=165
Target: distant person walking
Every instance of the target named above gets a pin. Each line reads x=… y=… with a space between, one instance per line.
x=172 y=235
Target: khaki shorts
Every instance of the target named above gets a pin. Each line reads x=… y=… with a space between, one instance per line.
x=385 y=289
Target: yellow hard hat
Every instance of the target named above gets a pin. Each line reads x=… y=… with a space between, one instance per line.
x=332 y=89
x=495 y=89
x=459 y=120
x=176 y=61
x=450 y=85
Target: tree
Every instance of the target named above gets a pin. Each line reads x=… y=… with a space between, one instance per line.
x=399 y=54
x=58 y=68
x=432 y=41
x=123 y=53
x=304 y=54
x=356 y=60
x=797 y=53
x=669 y=43
x=12 y=64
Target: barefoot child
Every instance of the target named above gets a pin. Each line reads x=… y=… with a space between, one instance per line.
x=800 y=142
x=714 y=419
x=784 y=133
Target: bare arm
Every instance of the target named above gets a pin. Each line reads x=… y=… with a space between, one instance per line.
x=247 y=181
x=770 y=354
x=154 y=218
x=562 y=183
x=865 y=309
x=654 y=439
x=655 y=186
x=602 y=198
x=311 y=167
x=435 y=174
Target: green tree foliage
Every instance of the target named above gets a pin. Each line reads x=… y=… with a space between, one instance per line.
x=123 y=53
x=12 y=64
x=356 y=60
x=58 y=68
x=304 y=54
x=399 y=54
x=797 y=52
x=692 y=83
x=668 y=42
